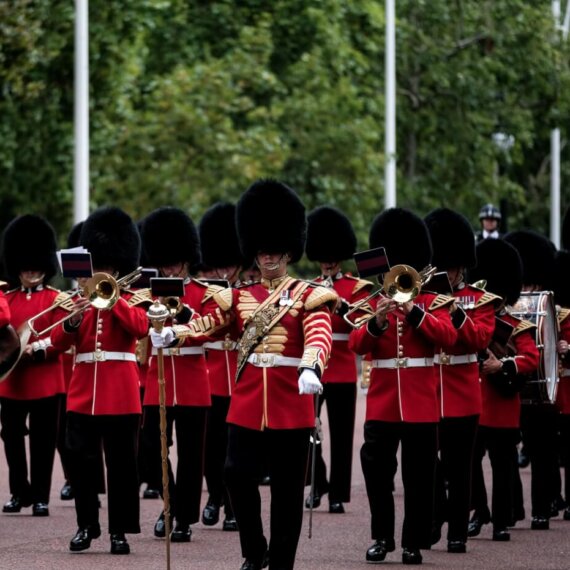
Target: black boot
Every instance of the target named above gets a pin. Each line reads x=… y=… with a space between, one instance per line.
x=211 y=513
x=476 y=523
x=377 y=552
x=83 y=537
x=15 y=505
x=501 y=534
x=181 y=533
x=456 y=546
x=411 y=556
x=160 y=526
x=66 y=493
x=119 y=544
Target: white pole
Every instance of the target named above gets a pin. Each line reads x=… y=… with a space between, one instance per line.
x=555 y=187
x=81 y=120
x=390 y=119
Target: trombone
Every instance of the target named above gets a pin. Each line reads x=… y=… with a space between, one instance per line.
x=402 y=284
x=101 y=289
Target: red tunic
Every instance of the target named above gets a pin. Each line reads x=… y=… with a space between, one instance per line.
x=342 y=364
x=32 y=379
x=268 y=397
x=563 y=394
x=109 y=387
x=499 y=411
x=185 y=375
x=459 y=388
x=4 y=311
x=222 y=365
x=406 y=394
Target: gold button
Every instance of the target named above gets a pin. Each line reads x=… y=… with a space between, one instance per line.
x=400 y=347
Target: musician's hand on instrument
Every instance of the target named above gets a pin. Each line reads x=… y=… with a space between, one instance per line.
x=384 y=307
x=562 y=347
x=491 y=365
x=309 y=383
x=80 y=304
x=163 y=338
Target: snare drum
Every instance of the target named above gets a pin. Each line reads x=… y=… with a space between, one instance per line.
x=539 y=308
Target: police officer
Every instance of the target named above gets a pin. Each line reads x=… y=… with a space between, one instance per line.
x=489 y=218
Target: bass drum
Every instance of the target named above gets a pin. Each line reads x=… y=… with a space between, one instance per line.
x=539 y=308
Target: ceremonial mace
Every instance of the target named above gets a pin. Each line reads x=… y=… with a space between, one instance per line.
x=157 y=314
x=315 y=436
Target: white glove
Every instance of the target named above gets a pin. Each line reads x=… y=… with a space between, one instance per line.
x=309 y=383
x=163 y=338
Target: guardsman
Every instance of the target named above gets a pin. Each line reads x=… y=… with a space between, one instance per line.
x=562 y=298
x=171 y=244
x=103 y=403
x=539 y=419
x=286 y=337
x=32 y=391
x=221 y=254
x=503 y=373
x=457 y=370
x=402 y=405
x=331 y=240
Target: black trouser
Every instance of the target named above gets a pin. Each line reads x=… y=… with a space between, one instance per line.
x=118 y=434
x=379 y=465
x=456 y=446
x=285 y=453
x=501 y=443
x=216 y=449
x=539 y=423
x=564 y=422
x=186 y=489
x=143 y=461
x=43 y=416
x=341 y=408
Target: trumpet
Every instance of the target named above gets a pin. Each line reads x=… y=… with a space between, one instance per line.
x=101 y=289
x=402 y=284
x=173 y=304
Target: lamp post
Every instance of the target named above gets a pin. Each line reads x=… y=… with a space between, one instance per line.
x=390 y=107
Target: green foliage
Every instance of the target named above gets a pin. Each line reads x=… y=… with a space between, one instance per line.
x=192 y=100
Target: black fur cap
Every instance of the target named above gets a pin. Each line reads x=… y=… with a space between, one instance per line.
x=330 y=235
x=566 y=230
x=271 y=218
x=405 y=237
x=537 y=256
x=29 y=244
x=561 y=286
x=74 y=235
x=218 y=236
x=111 y=237
x=452 y=239
x=169 y=236
x=499 y=263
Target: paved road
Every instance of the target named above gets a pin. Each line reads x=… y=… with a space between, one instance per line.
x=339 y=541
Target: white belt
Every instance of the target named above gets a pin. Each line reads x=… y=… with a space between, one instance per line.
x=340 y=336
x=103 y=355
x=174 y=351
x=402 y=362
x=452 y=359
x=565 y=372
x=270 y=360
x=221 y=345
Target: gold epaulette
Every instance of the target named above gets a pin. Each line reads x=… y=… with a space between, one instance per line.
x=211 y=291
x=224 y=298
x=361 y=284
x=488 y=298
x=441 y=301
x=65 y=301
x=50 y=288
x=140 y=297
x=523 y=326
x=322 y=296
x=563 y=314
x=3 y=285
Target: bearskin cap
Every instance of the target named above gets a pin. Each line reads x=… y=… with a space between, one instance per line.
x=537 y=256
x=566 y=230
x=169 y=236
x=29 y=244
x=452 y=239
x=74 y=235
x=271 y=218
x=330 y=235
x=111 y=237
x=562 y=278
x=499 y=263
x=405 y=237
x=218 y=236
